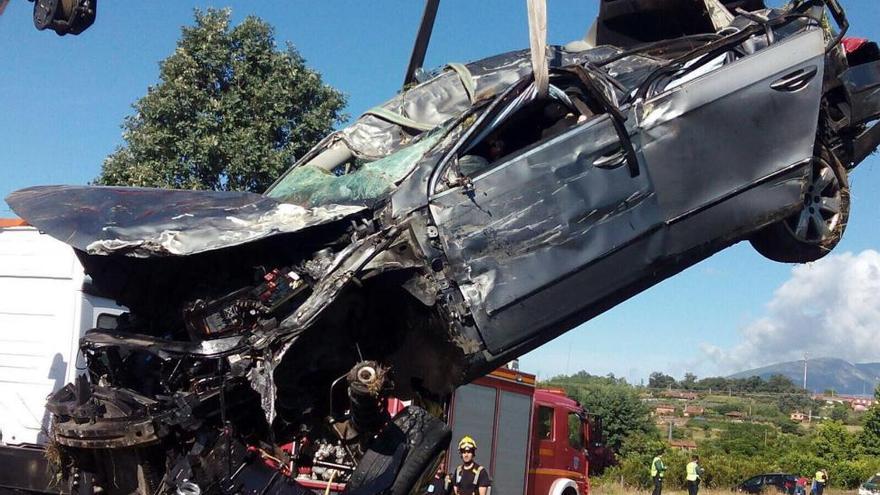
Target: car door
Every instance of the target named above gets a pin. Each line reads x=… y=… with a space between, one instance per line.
x=752 y=485
x=731 y=122
x=526 y=236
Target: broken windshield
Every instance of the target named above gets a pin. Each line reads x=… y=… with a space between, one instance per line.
x=352 y=183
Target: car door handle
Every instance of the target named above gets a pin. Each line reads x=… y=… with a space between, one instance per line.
x=795 y=81
x=613 y=159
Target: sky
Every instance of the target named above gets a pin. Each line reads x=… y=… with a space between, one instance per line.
x=63 y=99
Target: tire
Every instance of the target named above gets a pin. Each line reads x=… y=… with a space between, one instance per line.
x=426 y=445
x=818 y=226
x=404 y=454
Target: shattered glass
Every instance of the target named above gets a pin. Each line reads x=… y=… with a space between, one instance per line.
x=311 y=186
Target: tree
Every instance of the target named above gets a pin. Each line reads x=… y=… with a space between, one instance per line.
x=231 y=112
x=780 y=383
x=660 y=380
x=870 y=437
x=612 y=400
x=831 y=442
x=839 y=412
x=689 y=380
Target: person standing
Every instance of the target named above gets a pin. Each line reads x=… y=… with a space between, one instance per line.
x=694 y=474
x=821 y=479
x=658 y=469
x=441 y=483
x=470 y=477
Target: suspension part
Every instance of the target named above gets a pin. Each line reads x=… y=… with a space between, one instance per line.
x=367 y=391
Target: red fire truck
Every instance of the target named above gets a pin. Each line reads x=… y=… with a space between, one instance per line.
x=533 y=441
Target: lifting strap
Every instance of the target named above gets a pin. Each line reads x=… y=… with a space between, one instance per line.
x=467 y=80
x=394 y=118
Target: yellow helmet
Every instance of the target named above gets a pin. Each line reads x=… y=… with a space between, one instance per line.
x=467 y=442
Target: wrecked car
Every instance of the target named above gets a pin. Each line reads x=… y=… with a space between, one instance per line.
x=468 y=220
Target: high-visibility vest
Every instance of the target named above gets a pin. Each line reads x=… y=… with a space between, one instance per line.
x=693 y=473
x=820 y=477
x=657 y=467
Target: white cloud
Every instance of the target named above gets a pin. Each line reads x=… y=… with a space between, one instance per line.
x=827 y=308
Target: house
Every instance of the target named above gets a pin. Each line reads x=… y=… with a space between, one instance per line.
x=861 y=403
x=685 y=444
x=798 y=416
x=854 y=401
x=692 y=411
x=736 y=416
x=664 y=411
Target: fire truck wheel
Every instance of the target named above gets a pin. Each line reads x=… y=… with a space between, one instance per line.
x=401 y=454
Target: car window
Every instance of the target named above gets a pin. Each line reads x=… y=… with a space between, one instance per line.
x=773 y=479
x=526 y=122
x=753 y=482
x=545 y=423
x=353 y=181
x=575 y=431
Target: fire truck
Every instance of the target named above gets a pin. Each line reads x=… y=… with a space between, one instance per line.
x=534 y=441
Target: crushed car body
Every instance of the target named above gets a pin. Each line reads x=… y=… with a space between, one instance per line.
x=464 y=222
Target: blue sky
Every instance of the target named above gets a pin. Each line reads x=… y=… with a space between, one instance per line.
x=62 y=100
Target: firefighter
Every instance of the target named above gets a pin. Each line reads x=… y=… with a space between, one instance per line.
x=441 y=483
x=470 y=477
x=658 y=469
x=694 y=473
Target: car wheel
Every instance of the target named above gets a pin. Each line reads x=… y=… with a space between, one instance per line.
x=403 y=456
x=815 y=230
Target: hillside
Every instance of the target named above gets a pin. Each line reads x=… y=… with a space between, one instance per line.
x=824 y=373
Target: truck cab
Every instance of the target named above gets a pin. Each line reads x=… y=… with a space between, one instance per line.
x=534 y=441
x=560 y=438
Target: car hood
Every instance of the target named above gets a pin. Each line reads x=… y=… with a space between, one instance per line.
x=144 y=222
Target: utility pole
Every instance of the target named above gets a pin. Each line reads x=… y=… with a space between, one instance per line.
x=805 y=371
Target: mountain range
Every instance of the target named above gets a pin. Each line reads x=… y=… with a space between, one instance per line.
x=825 y=373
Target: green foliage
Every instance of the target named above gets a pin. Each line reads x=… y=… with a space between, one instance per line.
x=724 y=472
x=752 y=384
x=800 y=461
x=839 y=412
x=612 y=400
x=231 y=112
x=660 y=380
x=735 y=451
x=851 y=473
x=870 y=437
x=831 y=442
x=786 y=425
x=743 y=439
x=791 y=402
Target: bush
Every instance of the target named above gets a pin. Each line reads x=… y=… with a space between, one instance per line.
x=727 y=471
x=802 y=463
x=851 y=473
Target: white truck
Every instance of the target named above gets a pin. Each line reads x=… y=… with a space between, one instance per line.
x=46 y=304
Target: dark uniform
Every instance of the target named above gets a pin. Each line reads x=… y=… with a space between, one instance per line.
x=439 y=485
x=468 y=480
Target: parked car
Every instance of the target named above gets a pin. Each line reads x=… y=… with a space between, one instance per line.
x=468 y=220
x=769 y=483
x=870 y=487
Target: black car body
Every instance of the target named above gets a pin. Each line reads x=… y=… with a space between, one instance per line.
x=769 y=483
x=871 y=486
x=467 y=221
